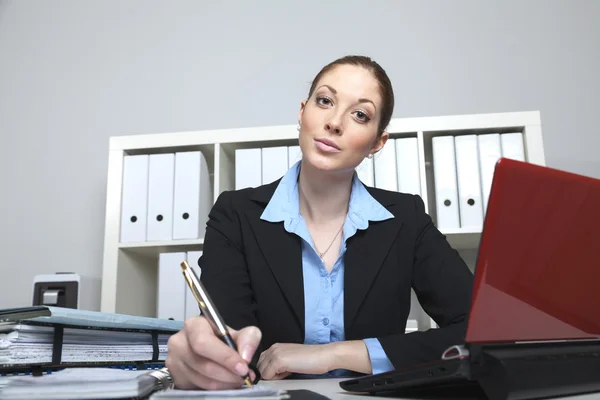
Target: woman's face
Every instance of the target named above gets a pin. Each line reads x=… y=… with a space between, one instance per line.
x=338 y=123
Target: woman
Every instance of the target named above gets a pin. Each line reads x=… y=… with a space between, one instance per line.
x=313 y=272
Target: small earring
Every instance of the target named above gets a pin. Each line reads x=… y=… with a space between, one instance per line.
x=370 y=156
x=298 y=127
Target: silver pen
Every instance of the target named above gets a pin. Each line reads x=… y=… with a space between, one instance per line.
x=212 y=314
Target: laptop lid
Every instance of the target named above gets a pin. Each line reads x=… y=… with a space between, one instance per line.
x=537 y=276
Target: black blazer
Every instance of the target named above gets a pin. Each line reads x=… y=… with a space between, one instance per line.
x=252 y=269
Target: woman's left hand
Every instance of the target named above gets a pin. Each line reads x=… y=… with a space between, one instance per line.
x=283 y=359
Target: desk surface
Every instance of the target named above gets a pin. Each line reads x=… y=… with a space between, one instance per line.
x=330 y=388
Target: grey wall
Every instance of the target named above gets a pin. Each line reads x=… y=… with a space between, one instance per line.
x=74 y=73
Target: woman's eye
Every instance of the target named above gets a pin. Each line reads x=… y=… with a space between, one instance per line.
x=323 y=101
x=362 y=116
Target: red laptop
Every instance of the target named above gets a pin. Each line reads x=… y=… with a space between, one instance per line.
x=534 y=324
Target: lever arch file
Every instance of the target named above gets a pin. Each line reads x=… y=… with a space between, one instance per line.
x=161 y=180
x=192 y=197
x=446 y=191
x=469 y=182
x=134 y=207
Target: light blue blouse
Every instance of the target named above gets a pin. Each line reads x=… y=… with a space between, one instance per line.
x=323 y=291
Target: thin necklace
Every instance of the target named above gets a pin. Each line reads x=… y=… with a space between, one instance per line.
x=321 y=254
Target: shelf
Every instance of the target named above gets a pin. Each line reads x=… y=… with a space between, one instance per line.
x=155 y=248
x=458 y=238
x=129 y=276
x=463 y=238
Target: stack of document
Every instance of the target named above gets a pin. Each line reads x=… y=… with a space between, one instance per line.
x=80 y=383
x=32 y=336
x=107 y=383
x=23 y=343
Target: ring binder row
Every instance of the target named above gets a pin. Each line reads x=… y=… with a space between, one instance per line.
x=57 y=363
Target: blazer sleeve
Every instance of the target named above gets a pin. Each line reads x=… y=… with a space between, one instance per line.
x=443 y=284
x=224 y=272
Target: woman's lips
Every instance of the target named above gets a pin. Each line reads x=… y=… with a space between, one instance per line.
x=327 y=146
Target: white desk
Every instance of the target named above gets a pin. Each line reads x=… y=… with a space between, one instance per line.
x=327 y=387
x=330 y=388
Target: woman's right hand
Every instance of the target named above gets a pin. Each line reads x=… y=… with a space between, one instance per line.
x=198 y=359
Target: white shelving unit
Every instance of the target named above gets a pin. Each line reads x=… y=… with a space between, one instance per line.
x=129 y=276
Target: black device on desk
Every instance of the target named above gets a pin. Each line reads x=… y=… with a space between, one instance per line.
x=534 y=323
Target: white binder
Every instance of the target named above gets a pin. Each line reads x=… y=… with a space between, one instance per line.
x=365 y=172
x=274 y=163
x=134 y=204
x=446 y=192
x=489 y=154
x=160 y=196
x=191 y=305
x=171 y=287
x=193 y=195
x=469 y=182
x=417 y=315
x=407 y=166
x=294 y=155
x=385 y=167
x=248 y=168
x=512 y=146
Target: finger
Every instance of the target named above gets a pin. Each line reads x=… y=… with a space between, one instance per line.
x=205 y=343
x=181 y=379
x=271 y=366
x=208 y=368
x=247 y=341
x=192 y=371
x=173 y=360
x=263 y=360
x=191 y=380
x=179 y=372
x=283 y=375
x=252 y=376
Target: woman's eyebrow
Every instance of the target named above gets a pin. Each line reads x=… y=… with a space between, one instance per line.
x=330 y=88
x=361 y=100
x=367 y=101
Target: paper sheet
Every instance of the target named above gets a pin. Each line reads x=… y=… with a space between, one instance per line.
x=90 y=383
x=23 y=344
x=69 y=316
x=257 y=392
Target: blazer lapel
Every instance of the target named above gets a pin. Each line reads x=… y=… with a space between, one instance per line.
x=283 y=253
x=365 y=254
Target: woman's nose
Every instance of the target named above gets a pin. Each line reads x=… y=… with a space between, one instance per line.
x=333 y=128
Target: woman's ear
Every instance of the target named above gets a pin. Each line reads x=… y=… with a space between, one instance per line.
x=380 y=142
x=301 y=112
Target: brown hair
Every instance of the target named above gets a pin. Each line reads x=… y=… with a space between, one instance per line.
x=385 y=85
